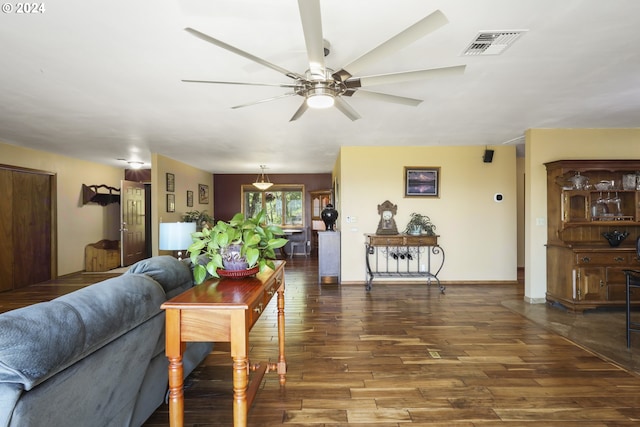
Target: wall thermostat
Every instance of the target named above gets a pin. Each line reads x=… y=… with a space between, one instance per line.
x=498 y=197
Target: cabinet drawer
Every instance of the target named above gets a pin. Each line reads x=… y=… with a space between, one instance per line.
x=601 y=258
x=269 y=292
x=403 y=240
x=386 y=240
x=422 y=241
x=271 y=289
x=256 y=310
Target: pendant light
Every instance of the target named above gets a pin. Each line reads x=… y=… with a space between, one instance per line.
x=261 y=182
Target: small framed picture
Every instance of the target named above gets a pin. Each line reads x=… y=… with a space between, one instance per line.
x=421 y=182
x=203 y=194
x=171 y=202
x=189 y=198
x=171 y=182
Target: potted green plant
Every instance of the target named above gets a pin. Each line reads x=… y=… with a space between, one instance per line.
x=242 y=243
x=200 y=218
x=419 y=224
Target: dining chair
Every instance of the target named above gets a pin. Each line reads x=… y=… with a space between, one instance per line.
x=300 y=240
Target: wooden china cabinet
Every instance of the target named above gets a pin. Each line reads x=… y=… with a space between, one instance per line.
x=586 y=198
x=319 y=200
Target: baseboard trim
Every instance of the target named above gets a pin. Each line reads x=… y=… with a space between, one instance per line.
x=535 y=300
x=442 y=282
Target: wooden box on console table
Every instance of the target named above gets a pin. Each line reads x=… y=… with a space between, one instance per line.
x=583 y=270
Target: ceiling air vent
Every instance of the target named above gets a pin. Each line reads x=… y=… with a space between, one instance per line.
x=492 y=42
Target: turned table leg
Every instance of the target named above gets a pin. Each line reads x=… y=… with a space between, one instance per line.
x=176 y=370
x=282 y=364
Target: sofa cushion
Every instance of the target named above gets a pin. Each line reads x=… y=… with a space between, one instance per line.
x=38 y=341
x=174 y=276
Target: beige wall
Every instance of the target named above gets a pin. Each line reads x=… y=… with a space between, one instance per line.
x=478 y=235
x=78 y=225
x=186 y=178
x=546 y=145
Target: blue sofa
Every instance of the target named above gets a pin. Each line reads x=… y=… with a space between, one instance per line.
x=94 y=357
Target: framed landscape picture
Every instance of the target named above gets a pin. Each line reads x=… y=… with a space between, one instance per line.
x=203 y=194
x=422 y=181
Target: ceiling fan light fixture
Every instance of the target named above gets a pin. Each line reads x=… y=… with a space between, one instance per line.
x=320 y=97
x=262 y=182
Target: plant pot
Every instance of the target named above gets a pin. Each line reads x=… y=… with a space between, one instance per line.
x=235 y=265
x=232 y=259
x=415 y=230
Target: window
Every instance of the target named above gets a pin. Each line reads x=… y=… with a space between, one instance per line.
x=283 y=204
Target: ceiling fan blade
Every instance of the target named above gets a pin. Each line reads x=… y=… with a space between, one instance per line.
x=300 y=111
x=264 y=100
x=386 y=98
x=242 y=53
x=241 y=83
x=312 y=27
x=426 y=25
x=346 y=109
x=407 y=76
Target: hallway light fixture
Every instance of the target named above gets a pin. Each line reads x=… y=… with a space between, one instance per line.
x=135 y=165
x=262 y=182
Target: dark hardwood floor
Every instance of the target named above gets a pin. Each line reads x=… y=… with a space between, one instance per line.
x=406 y=354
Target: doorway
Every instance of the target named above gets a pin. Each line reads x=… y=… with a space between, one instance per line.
x=133 y=224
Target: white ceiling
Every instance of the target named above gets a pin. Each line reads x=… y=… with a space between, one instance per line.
x=101 y=80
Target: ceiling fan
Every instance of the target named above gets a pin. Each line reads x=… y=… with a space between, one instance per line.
x=322 y=87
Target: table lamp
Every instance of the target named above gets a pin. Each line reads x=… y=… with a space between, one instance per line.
x=176 y=236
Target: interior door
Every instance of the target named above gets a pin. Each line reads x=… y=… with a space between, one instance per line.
x=132 y=222
x=6 y=230
x=26 y=224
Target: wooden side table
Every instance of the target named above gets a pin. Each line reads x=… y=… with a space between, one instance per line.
x=223 y=310
x=403 y=255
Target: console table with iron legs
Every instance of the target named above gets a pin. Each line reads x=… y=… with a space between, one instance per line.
x=403 y=255
x=224 y=310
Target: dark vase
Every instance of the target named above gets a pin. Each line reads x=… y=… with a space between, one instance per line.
x=329 y=215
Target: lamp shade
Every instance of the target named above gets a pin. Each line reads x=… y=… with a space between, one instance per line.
x=176 y=236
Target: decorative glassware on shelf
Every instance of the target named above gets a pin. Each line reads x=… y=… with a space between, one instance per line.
x=600 y=208
x=629 y=181
x=604 y=185
x=578 y=181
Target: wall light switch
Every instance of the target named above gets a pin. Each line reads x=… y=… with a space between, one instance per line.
x=541 y=221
